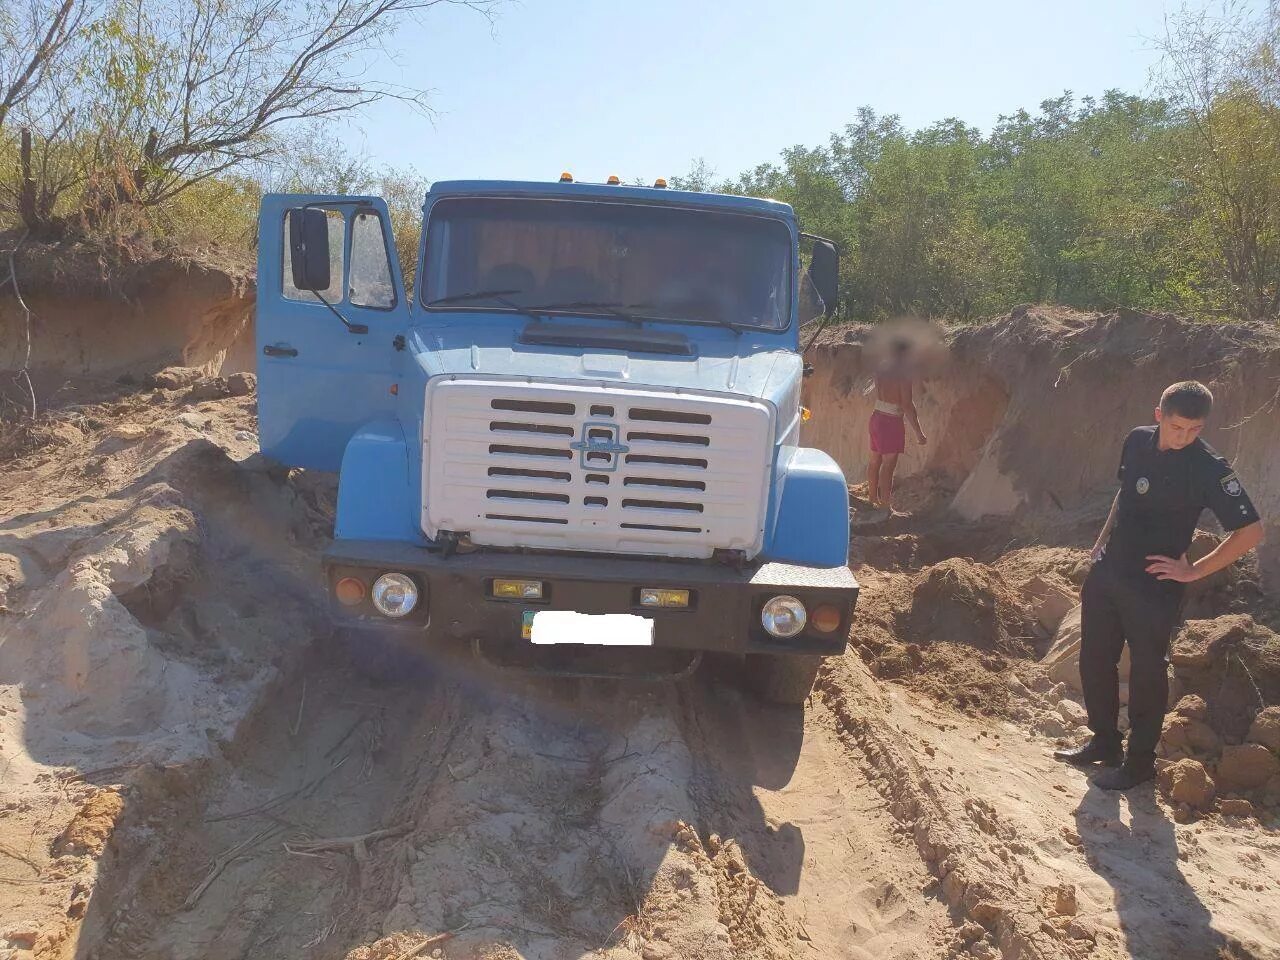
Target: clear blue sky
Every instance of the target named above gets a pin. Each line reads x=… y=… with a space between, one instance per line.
x=642 y=89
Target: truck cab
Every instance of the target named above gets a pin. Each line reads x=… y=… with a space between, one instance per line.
x=578 y=431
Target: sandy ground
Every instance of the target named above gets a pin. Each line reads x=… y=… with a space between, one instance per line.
x=192 y=769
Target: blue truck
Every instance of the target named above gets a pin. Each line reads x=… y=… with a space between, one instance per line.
x=580 y=430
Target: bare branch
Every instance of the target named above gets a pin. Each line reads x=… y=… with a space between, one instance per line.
x=63 y=23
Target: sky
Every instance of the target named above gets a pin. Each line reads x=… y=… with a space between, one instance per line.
x=644 y=89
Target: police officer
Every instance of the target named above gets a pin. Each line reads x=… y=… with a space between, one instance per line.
x=1133 y=594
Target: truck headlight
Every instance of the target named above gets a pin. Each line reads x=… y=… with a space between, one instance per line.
x=783 y=616
x=394 y=594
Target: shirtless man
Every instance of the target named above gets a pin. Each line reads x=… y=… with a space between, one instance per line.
x=894 y=410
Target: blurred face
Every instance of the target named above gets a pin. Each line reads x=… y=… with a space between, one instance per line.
x=1177 y=431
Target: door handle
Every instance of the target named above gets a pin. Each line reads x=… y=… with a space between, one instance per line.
x=271 y=350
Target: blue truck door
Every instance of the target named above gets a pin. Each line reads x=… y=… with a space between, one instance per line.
x=318 y=381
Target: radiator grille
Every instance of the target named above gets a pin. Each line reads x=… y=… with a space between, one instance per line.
x=595 y=468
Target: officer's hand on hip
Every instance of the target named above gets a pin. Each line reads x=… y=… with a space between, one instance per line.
x=1167 y=568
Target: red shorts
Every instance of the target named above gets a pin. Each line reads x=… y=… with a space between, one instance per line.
x=888 y=433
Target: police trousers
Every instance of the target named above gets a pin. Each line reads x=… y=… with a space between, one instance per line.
x=1117 y=609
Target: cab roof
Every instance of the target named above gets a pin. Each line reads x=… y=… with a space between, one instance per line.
x=601 y=191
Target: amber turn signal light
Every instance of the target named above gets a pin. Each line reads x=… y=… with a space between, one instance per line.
x=654 y=597
x=825 y=619
x=518 y=589
x=349 y=591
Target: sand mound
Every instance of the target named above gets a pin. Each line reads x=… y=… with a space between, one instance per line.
x=962 y=602
x=152 y=577
x=955 y=631
x=1018 y=566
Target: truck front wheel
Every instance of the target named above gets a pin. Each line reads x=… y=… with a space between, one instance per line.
x=782 y=678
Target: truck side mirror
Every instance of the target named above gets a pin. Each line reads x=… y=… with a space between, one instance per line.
x=824 y=271
x=309 y=248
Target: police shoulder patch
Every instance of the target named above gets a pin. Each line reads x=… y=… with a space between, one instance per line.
x=1231 y=485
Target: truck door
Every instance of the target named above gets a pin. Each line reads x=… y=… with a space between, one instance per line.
x=320 y=378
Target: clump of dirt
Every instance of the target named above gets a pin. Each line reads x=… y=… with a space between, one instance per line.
x=1187 y=782
x=91 y=828
x=1233 y=664
x=1228 y=672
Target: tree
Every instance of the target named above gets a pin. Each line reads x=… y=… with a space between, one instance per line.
x=164 y=95
x=1222 y=74
x=701 y=178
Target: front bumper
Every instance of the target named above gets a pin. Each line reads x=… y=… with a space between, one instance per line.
x=724 y=612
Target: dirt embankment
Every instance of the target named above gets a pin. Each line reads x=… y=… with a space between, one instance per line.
x=154 y=313
x=193 y=769
x=1029 y=411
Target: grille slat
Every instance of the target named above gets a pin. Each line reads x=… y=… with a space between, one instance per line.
x=552 y=407
x=560 y=476
x=522 y=427
x=633 y=504
x=544 y=453
x=668 y=416
x=644 y=439
x=664 y=483
x=691 y=463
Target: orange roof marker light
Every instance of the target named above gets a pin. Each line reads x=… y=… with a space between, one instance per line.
x=566 y=177
x=613 y=180
x=660 y=183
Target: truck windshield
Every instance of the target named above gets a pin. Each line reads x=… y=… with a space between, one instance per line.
x=569 y=256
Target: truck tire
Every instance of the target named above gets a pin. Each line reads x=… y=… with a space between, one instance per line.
x=380 y=657
x=782 y=678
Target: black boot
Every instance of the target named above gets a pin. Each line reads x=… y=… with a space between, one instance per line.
x=1133 y=771
x=1097 y=750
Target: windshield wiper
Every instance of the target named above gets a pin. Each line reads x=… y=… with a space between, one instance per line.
x=738 y=328
x=498 y=296
x=610 y=307
x=471 y=295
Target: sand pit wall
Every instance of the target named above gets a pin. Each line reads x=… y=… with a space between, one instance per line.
x=1028 y=411
x=168 y=313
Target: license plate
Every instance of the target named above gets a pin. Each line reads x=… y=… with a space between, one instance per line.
x=547 y=627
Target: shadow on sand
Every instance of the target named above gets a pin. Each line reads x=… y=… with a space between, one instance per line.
x=1160 y=914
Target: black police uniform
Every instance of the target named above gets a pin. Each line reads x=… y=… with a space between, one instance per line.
x=1162 y=494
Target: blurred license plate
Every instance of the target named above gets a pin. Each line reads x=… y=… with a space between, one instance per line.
x=599 y=630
